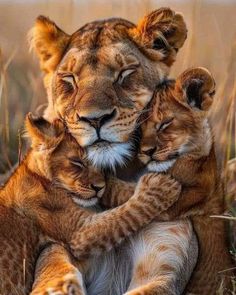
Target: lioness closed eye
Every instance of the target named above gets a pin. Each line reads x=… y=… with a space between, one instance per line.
x=36 y=206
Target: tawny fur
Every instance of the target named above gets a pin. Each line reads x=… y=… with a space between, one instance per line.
x=56 y=272
x=178 y=131
x=177 y=139
x=36 y=206
x=107 y=69
x=163 y=254
x=116 y=67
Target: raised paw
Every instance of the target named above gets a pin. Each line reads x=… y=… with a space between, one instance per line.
x=162 y=189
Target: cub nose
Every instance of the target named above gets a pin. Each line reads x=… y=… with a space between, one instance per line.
x=98 y=120
x=149 y=152
x=97 y=188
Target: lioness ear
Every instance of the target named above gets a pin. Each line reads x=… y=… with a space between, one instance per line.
x=44 y=136
x=49 y=42
x=162 y=30
x=196 y=87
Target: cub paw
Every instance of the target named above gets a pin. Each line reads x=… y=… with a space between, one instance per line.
x=67 y=285
x=162 y=189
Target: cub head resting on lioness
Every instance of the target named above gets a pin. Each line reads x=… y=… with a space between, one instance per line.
x=36 y=205
x=57 y=157
x=175 y=129
x=177 y=140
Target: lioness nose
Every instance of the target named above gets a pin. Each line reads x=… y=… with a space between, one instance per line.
x=99 y=120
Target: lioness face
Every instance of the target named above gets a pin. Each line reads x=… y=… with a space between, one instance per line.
x=101 y=94
x=64 y=161
x=101 y=78
x=177 y=124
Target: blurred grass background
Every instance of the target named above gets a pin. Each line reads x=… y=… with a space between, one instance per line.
x=211 y=43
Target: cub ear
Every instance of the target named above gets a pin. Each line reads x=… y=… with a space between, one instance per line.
x=49 y=43
x=162 y=30
x=44 y=136
x=196 y=87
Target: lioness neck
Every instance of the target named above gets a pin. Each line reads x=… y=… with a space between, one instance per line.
x=28 y=180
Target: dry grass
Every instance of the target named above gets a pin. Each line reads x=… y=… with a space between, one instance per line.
x=211 y=43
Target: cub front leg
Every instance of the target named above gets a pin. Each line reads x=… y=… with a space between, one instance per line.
x=55 y=274
x=117 y=192
x=103 y=231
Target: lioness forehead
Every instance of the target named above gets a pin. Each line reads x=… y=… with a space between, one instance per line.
x=103 y=42
x=99 y=33
x=115 y=56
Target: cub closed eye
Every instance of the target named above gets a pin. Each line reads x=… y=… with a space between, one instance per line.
x=163 y=125
x=77 y=162
x=125 y=73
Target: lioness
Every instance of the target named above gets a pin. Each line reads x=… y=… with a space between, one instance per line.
x=100 y=79
x=36 y=207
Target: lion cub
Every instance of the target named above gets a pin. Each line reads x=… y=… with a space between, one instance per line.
x=36 y=206
x=177 y=139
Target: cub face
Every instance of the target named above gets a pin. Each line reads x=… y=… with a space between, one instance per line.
x=64 y=161
x=177 y=124
x=100 y=78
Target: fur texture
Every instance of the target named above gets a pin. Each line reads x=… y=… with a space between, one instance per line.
x=176 y=139
x=38 y=198
x=102 y=76
x=178 y=129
